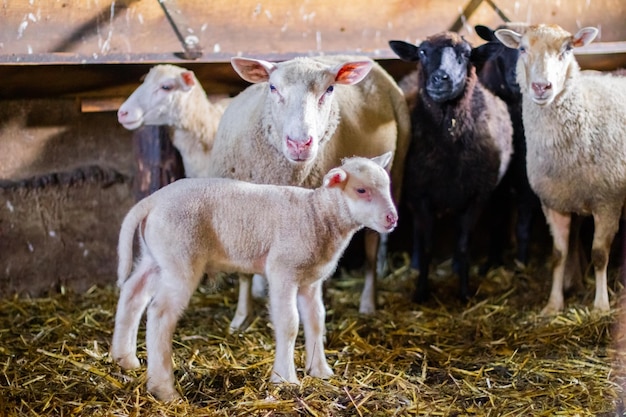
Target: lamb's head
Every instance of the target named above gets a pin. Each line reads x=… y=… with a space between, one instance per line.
x=546 y=60
x=444 y=63
x=155 y=101
x=367 y=190
x=300 y=99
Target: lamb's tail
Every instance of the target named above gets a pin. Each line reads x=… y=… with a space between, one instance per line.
x=127 y=234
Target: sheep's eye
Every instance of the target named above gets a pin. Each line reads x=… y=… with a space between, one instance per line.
x=330 y=89
x=522 y=49
x=166 y=87
x=272 y=88
x=361 y=190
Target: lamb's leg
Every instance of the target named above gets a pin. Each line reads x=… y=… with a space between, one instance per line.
x=284 y=315
x=134 y=297
x=163 y=313
x=368 y=296
x=606 y=224
x=559 y=228
x=313 y=315
x=244 y=304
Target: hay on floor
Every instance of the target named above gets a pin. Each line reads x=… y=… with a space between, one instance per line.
x=494 y=356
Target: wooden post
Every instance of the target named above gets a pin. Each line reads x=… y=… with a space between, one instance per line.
x=157 y=162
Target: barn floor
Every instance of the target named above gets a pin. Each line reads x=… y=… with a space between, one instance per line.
x=494 y=356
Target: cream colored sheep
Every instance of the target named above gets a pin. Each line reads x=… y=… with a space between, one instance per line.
x=172 y=96
x=576 y=156
x=299 y=119
x=291 y=235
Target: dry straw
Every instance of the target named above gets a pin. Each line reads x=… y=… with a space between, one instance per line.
x=492 y=357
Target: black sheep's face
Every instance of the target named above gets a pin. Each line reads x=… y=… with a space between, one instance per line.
x=445 y=69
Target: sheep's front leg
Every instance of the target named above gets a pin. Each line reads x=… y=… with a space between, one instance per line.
x=606 y=224
x=368 y=296
x=244 y=303
x=284 y=316
x=313 y=314
x=559 y=228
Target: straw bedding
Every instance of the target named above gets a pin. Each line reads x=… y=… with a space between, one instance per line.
x=492 y=357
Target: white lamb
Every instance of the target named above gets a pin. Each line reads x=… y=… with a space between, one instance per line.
x=292 y=235
x=576 y=159
x=298 y=120
x=172 y=96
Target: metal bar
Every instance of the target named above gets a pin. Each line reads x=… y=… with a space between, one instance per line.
x=498 y=11
x=190 y=43
x=465 y=15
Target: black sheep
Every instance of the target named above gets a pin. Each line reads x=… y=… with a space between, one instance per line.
x=495 y=64
x=460 y=149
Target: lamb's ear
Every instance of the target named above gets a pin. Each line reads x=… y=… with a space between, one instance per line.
x=252 y=70
x=187 y=80
x=383 y=160
x=335 y=177
x=584 y=36
x=352 y=72
x=509 y=38
x=406 y=51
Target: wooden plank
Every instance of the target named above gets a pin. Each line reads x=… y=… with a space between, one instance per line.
x=100 y=104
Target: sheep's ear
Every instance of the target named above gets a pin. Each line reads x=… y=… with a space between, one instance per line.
x=335 y=177
x=485 y=32
x=509 y=38
x=252 y=70
x=485 y=52
x=352 y=72
x=384 y=160
x=584 y=36
x=188 y=80
x=406 y=51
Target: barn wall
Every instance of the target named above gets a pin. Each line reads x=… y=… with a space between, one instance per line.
x=65 y=183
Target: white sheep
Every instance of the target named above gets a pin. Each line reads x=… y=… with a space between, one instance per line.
x=576 y=157
x=292 y=235
x=299 y=119
x=171 y=95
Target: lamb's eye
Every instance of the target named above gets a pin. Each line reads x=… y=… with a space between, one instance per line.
x=272 y=88
x=361 y=190
x=522 y=50
x=166 y=87
x=330 y=89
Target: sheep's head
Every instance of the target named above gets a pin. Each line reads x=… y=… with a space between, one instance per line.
x=300 y=96
x=444 y=63
x=366 y=187
x=496 y=63
x=157 y=100
x=546 y=59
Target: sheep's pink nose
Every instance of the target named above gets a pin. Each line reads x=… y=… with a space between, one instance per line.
x=541 y=88
x=299 y=145
x=122 y=114
x=392 y=219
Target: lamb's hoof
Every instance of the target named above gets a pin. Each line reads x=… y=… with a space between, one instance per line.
x=164 y=394
x=239 y=324
x=552 y=309
x=278 y=379
x=127 y=362
x=367 y=307
x=602 y=308
x=322 y=371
